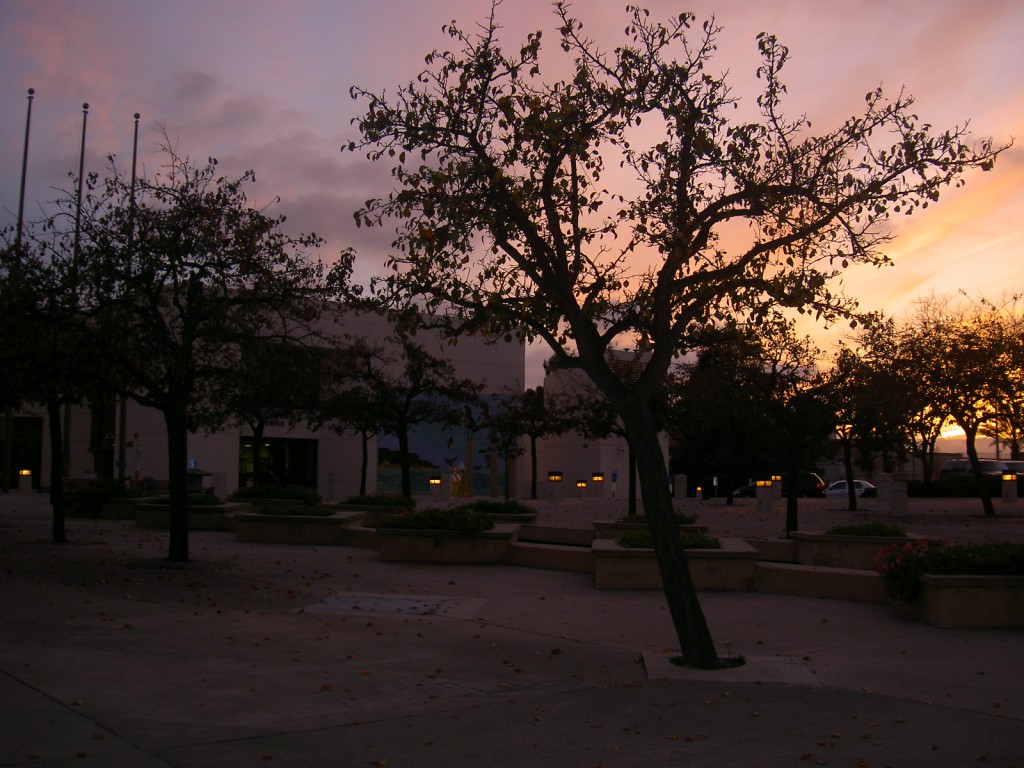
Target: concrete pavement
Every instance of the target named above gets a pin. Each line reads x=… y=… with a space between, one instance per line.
x=259 y=654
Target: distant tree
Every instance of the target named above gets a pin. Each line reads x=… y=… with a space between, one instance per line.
x=271 y=384
x=178 y=280
x=1004 y=331
x=946 y=347
x=508 y=221
x=49 y=358
x=399 y=386
x=526 y=414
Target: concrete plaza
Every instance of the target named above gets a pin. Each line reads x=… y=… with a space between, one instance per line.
x=257 y=654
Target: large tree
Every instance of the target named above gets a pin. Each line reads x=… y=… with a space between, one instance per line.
x=626 y=202
x=182 y=273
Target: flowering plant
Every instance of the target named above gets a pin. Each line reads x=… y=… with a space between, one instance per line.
x=901 y=567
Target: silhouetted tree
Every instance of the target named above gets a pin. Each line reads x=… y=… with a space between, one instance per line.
x=507 y=221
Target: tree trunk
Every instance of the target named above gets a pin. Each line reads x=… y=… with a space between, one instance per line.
x=631 y=460
x=972 y=454
x=403 y=460
x=851 y=489
x=365 y=464
x=257 y=464
x=696 y=645
x=56 y=470
x=533 y=467
x=792 y=505
x=177 y=480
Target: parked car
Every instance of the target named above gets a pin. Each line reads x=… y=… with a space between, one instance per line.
x=807 y=484
x=839 y=488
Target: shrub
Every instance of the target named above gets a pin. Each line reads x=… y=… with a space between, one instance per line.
x=383 y=500
x=902 y=565
x=491 y=507
x=642 y=540
x=681 y=517
x=465 y=520
x=867 y=529
x=296 y=510
x=194 y=500
x=303 y=494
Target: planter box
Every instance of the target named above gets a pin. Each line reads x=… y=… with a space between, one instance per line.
x=971 y=601
x=607 y=529
x=314 y=530
x=446 y=546
x=213 y=518
x=841 y=551
x=728 y=568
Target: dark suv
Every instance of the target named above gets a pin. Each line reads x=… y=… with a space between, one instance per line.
x=807 y=484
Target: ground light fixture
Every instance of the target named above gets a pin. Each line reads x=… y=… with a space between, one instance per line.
x=597 y=477
x=554 y=477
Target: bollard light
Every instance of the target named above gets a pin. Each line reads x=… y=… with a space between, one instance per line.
x=597 y=477
x=25 y=472
x=764 y=483
x=434 y=480
x=1009 y=476
x=581 y=483
x=554 y=477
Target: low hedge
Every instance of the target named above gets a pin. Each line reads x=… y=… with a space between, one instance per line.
x=463 y=519
x=960 y=487
x=295 y=510
x=681 y=517
x=382 y=500
x=642 y=540
x=867 y=529
x=303 y=494
x=902 y=565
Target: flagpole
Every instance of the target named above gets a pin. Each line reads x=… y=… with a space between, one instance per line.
x=5 y=482
x=122 y=436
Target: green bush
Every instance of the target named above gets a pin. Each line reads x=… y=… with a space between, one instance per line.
x=303 y=494
x=458 y=519
x=295 y=510
x=867 y=529
x=194 y=500
x=491 y=507
x=681 y=517
x=902 y=565
x=383 y=500
x=642 y=540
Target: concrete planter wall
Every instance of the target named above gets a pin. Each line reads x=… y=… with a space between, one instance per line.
x=334 y=530
x=971 y=601
x=728 y=568
x=214 y=518
x=446 y=546
x=841 y=551
x=607 y=529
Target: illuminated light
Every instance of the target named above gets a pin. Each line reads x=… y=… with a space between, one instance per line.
x=554 y=477
x=764 y=483
x=1011 y=476
x=776 y=478
x=25 y=472
x=434 y=480
x=597 y=477
x=581 y=483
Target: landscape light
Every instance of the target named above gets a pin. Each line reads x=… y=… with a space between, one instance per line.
x=597 y=477
x=434 y=480
x=581 y=483
x=1009 y=476
x=554 y=477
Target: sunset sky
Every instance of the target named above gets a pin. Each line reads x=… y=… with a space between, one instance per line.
x=264 y=85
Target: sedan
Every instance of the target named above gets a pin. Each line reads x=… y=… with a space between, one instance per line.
x=839 y=488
